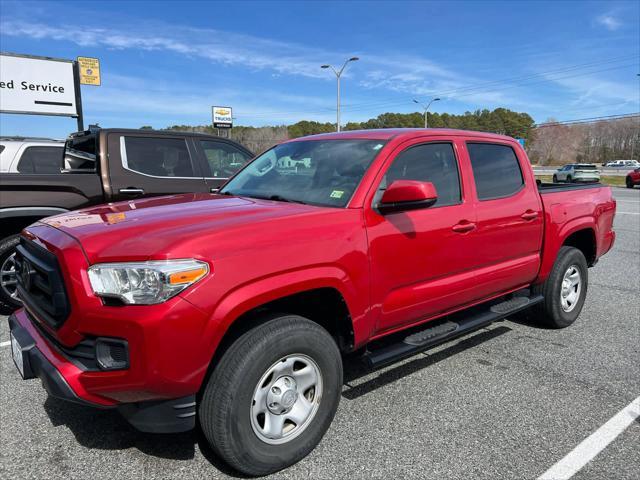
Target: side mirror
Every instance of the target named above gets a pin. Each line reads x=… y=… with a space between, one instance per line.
x=403 y=195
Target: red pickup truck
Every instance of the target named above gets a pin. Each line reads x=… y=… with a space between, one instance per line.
x=235 y=309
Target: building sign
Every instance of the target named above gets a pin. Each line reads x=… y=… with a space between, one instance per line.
x=89 y=69
x=222 y=117
x=37 y=85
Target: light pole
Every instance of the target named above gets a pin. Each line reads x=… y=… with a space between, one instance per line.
x=338 y=75
x=426 y=109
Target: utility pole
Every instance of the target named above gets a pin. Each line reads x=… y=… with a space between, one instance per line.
x=338 y=75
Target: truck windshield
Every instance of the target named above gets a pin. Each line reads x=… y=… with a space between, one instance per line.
x=317 y=172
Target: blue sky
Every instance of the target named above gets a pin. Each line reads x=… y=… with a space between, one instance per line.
x=166 y=63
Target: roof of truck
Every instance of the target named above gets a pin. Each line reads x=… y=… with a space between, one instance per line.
x=147 y=131
x=389 y=133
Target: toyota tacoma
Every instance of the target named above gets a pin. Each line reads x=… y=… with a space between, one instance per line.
x=234 y=310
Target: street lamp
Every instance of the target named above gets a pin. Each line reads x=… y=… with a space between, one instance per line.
x=338 y=74
x=426 y=109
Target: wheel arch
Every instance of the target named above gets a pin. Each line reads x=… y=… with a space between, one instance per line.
x=584 y=239
x=328 y=300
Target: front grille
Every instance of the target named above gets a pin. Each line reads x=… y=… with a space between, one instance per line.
x=40 y=284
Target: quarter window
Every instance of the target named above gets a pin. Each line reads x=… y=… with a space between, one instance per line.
x=159 y=157
x=495 y=169
x=223 y=159
x=41 y=160
x=431 y=162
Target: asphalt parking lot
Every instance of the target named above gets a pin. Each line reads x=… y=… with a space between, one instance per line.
x=506 y=402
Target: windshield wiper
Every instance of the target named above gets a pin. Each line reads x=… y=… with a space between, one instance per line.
x=278 y=198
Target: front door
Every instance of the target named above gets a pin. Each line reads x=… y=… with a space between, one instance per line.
x=422 y=261
x=150 y=165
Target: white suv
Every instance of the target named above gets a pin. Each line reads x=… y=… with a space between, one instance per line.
x=30 y=155
x=624 y=163
x=577 y=172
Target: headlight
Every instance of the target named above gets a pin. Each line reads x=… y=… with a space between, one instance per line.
x=145 y=283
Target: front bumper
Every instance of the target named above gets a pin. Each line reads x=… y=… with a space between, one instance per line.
x=163 y=416
x=36 y=365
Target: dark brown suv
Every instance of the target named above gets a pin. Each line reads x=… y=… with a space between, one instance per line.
x=108 y=165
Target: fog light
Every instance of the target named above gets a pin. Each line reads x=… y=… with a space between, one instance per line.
x=112 y=354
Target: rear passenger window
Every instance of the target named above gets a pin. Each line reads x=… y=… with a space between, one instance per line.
x=431 y=162
x=159 y=157
x=495 y=169
x=41 y=160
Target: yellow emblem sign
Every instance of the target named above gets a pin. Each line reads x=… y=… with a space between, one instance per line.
x=89 y=71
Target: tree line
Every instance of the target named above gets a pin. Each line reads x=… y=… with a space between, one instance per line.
x=550 y=144
x=597 y=142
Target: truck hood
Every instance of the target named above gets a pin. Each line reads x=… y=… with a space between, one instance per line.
x=170 y=226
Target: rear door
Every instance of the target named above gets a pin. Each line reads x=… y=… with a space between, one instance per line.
x=150 y=165
x=509 y=217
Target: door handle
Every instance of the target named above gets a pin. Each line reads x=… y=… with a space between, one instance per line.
x=529 y=215
x=131 y=191
x=463 y=227
x=214 y=190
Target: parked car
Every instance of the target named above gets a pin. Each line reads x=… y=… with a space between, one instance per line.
x=624 y=163
x=103 y=165
x=633 y=178
x=577 y=172
x=235 y=309
x=30 y=155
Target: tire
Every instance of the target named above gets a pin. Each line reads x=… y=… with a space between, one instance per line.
x=555 y=179
x=629 y=182
x=553 y=310
x=228 y=405
x=8 y=301
x=569 y=179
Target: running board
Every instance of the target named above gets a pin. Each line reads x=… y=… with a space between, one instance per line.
x=435 y=335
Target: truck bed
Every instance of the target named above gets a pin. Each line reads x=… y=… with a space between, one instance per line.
x=562 y=187
x=68 y=191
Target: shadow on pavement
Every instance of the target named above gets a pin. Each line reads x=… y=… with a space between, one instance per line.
x=354 y=370
x=107 y=430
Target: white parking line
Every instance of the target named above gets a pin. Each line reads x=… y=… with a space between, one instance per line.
x=627 y=213
x=5 y=344
x=593 y=444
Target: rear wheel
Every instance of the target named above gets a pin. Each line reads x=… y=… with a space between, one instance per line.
x=569 y=179
x=629 y=182
x=8 y=282
x=273 y=395
x=564 y=290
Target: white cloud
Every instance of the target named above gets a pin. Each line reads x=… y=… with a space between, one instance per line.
x=608 y=21
x=216 y=46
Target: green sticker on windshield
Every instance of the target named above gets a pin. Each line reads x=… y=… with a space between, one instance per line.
x=337 y=194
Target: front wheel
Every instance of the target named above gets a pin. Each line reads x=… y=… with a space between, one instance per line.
x=564 y=290
x=273 y=395
x=555 y=179
x=569 y=179
x=8 y=281
x=629 y=182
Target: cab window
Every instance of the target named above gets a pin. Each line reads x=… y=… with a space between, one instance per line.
x=223 y=159
x=158 y=157
x=496 y=170
x=430 y=162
